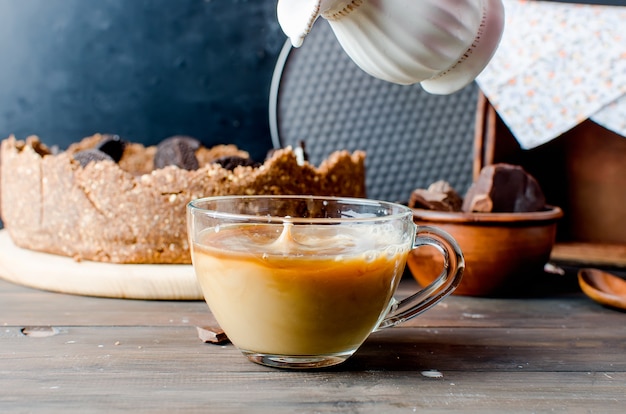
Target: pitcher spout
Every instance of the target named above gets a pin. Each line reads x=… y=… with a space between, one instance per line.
x=296 y=17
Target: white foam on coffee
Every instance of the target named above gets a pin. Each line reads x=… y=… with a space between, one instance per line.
x=336 y=241
x=369 y=241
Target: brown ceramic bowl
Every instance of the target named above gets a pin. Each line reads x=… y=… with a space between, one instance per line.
x=503 y=251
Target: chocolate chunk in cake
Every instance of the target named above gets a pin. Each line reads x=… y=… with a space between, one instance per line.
x=232 y=161
x=84 y=157
x=113 y=146
x=179 y=150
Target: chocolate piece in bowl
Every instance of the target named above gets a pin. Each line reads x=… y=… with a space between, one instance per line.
x=505 y=230
x=438 y=196
x=503 y=188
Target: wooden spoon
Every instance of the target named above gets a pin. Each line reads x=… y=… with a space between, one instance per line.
x=603 y=287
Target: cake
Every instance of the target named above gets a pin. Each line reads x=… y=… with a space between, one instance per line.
x=124 y=204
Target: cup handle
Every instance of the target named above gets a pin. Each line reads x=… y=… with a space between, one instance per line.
x=442 y=286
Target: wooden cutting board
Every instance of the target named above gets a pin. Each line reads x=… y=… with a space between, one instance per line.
x=63 y=274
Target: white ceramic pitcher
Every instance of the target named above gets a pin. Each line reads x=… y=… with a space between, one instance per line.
x=443 y=44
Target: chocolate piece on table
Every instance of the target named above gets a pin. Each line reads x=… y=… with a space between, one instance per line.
x=209 y=334
x=439 y=196
x=179 y=150
x=86 y=156
x=504 y=188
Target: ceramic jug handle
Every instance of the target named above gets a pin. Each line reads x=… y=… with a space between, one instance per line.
x=442 y=286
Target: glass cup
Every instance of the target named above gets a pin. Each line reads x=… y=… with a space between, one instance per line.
x=302 y=281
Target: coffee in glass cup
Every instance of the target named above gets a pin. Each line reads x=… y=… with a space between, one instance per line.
x=301 y=282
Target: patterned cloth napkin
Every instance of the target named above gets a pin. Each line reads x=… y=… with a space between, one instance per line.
x=558 y=64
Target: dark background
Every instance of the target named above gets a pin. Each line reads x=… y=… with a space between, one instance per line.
x=144 y=69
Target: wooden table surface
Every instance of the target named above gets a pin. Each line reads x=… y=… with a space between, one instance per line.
x=552 y=352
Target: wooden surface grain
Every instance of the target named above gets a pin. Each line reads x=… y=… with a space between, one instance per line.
x=559 y=352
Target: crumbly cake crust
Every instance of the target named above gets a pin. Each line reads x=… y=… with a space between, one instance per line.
x=130 y=213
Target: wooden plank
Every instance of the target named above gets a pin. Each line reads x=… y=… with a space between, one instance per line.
x=368 y=392
x=455 y=349
x=590 y=254
x=154 y=369
x=445 y=349
x=19 y=309
x=25 y=306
